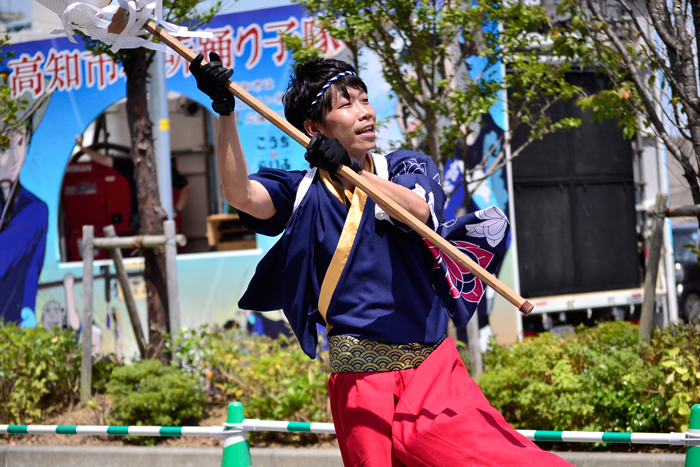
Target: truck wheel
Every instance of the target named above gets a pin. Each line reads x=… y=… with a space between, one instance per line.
x=691 y=307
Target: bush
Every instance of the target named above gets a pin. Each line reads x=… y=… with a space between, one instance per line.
x=272 y=378
x=596 y=379
x=39 y=369
x=680 y=347
x=102 y=372
x=150 y=393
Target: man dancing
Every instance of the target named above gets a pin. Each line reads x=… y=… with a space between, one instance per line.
x=400 y=394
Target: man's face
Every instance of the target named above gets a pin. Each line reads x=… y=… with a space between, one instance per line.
x=12 y=159
x=351 y=121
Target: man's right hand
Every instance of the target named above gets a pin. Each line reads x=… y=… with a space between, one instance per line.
x=210 y=80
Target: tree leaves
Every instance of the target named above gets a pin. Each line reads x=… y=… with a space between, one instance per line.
x=423 y=47
x=651 y=59
x=11 y=108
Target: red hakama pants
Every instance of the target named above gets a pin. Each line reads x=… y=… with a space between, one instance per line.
x=431 y=416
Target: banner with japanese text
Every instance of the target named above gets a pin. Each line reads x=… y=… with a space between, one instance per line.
x=69 y=89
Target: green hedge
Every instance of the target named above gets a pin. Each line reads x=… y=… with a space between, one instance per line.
x=597 y=379
x=39 y=370
x=272 y=378
x=592 y=379
x=150 y=393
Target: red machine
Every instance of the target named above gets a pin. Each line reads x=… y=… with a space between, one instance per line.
x=93 y=195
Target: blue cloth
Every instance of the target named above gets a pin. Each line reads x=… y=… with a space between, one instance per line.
x=22 y=247
x=386 y=291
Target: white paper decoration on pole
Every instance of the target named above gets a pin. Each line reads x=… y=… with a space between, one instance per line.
x=93 y=18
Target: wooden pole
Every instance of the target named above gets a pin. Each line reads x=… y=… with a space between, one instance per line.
x=657 y=236
x=171 y=277
x=139 y=241
x=691 y=210
x=123 y=279
x=388 y=205
x=86 y=332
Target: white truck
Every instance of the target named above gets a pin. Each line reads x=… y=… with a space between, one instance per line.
x=578 y=202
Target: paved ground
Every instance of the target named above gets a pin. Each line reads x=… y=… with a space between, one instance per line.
x=127 y=456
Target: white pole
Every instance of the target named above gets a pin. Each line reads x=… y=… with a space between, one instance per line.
x=158 y=108
x=86 y=333
x=171 y=275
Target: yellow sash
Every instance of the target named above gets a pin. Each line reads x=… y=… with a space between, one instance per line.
x=347 y=236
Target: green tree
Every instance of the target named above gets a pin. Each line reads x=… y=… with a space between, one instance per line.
x=151 y=213
x=649 y=50
x=10 y=108
x=422 y=47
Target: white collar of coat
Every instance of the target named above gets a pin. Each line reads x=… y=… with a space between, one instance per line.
x=380 y=166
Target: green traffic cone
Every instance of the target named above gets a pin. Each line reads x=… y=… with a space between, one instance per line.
x=236 y=446
x=692 y=456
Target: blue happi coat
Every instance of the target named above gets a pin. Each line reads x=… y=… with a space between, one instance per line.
x=395 y=287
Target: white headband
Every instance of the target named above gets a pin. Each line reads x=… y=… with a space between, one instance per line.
x=326 y=86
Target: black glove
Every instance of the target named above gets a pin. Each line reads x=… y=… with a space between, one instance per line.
x=210 y=80
x=328 y=154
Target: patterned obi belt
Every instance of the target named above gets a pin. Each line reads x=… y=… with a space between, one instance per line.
x=355 y=355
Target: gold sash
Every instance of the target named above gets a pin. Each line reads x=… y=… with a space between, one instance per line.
x=347 y=236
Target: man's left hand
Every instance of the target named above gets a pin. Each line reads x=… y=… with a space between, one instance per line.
x=328 y=154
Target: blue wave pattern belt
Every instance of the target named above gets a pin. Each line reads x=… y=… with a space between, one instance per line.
x=350 y=354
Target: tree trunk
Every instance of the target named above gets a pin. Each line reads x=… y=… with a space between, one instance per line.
x=151 y=214
x=432 y=131
x=656 y=242
x=467 y=192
